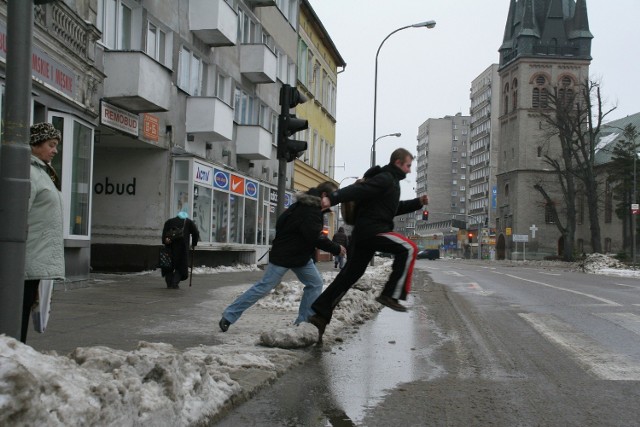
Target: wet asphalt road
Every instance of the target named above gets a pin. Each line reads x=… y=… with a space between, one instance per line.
x=484 y=346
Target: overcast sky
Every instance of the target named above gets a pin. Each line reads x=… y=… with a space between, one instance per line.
x=426 y=73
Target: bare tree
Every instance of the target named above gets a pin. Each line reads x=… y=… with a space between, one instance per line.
x=574 y=119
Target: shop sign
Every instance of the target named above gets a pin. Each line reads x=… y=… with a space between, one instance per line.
x=273 y=197
x=117 y=118
x=220 y=179
x=237 y=184
x=202 y=174
x=44 y=68
x=251 y=189
x=150 y=127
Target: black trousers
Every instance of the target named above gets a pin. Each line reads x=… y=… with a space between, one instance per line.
x=29 y=298
x=397 y=286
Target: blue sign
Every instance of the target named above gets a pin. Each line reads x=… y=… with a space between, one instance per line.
x=494 y=197
x=251 y=189
x=220 y=179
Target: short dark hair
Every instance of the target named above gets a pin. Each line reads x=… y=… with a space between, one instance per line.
x=327 y=187
x=400 y=154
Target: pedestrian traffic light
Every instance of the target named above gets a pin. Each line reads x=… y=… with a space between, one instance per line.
x=289 y=124
x=425 y=215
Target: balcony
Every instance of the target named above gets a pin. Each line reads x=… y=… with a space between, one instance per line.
x=214 y=22
x=253 y=142
x=258 y=63
x=210 y=118
x=136 y=82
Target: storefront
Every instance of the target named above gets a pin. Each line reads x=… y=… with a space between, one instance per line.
x=63 y=94
x=234 y=214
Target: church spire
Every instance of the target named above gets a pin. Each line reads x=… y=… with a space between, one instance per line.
x=580 y=23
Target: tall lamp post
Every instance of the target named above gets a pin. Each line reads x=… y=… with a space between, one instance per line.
x=373 y=147
x=428 y=24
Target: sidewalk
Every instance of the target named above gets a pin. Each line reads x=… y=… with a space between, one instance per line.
x=118 y=311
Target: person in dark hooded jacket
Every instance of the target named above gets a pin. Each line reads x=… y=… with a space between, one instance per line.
x=179 y=249
x=378 y=202
x=298 y=233
x=340 y=237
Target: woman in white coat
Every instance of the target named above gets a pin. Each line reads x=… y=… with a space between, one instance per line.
x=45 y=245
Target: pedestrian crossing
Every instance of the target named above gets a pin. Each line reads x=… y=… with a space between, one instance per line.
x=588 y=353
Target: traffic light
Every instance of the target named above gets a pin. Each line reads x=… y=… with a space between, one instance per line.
x=470 y=235
x=425 y=215
x=289 y=124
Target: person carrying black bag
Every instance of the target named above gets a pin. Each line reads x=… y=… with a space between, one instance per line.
x=175 y=237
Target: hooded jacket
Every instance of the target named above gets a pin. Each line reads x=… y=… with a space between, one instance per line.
x=299 y=232
x=378 y=200
x=45 y=244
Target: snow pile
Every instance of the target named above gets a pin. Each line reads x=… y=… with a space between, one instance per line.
x=594 y=263
x=157 y=384
x=225 y=269
x=357 y=306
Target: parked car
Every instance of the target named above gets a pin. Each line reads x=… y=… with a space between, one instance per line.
x=429 y=254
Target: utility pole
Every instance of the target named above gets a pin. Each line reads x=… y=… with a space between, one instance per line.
x=15 y=157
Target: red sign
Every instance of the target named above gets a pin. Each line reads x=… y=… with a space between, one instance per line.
x=150 y=127
x=237 y=184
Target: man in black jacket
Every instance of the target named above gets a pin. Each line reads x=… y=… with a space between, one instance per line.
x=298 y=233
x=340 y=237
x=378 y=202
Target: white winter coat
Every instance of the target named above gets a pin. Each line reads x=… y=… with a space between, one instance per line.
x=45 y=242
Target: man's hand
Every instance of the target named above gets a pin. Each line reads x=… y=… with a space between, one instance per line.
x=424 y=199
x=343 y=250
x=325 y=203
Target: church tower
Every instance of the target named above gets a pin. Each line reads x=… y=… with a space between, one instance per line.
x=547 y=44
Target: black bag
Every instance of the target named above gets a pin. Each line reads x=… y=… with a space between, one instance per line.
x=175 y=234
x=349 y=209
x=165 y=260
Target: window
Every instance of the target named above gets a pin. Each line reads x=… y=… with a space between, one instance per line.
x=75 y=159
x=506 y=98
x=247 y=28
x=514 y=94
x=223 y=86
x=539 y=97
x=189 y=72
x=114 y=20
x=302 y=65
x=608 y=202
x=156 y=43
x=549 y=216
x=245 y=108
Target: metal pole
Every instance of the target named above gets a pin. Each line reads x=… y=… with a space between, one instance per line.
x=14 y=166
x=634 y=223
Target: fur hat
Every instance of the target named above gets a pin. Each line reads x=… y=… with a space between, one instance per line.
x=42 y=132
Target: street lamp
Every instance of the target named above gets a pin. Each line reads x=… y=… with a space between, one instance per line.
x=428 y=24
x=373 y=147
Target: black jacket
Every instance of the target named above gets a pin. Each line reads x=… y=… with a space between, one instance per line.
x=340 y=237
x=180 y=249
x=299 y=232
x=378 y=200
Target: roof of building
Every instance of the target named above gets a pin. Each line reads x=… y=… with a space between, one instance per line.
x=610 y=134
x=324 y=34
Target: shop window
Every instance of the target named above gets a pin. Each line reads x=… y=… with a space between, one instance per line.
x=74 y=164
x=202 y=211
x=236 y=218
x=220 y=217
x=250 y=211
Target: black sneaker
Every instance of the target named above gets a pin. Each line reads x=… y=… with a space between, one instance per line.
x=224 y=324
x=319 y=323
x=392 y=303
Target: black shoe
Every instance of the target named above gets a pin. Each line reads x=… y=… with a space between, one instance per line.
x=224 y=324
x=168 y=280
x=319 y=323
x=392 y=303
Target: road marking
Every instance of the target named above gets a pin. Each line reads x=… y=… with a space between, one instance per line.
x=628 y=321
x=584 y=294
x=550 y=274
x=454 y=273
x=626 y=286
x=589 y=354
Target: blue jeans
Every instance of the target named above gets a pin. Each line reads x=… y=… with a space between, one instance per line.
x=307 y=274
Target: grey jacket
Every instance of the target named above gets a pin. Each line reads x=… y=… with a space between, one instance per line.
x=45 y=242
